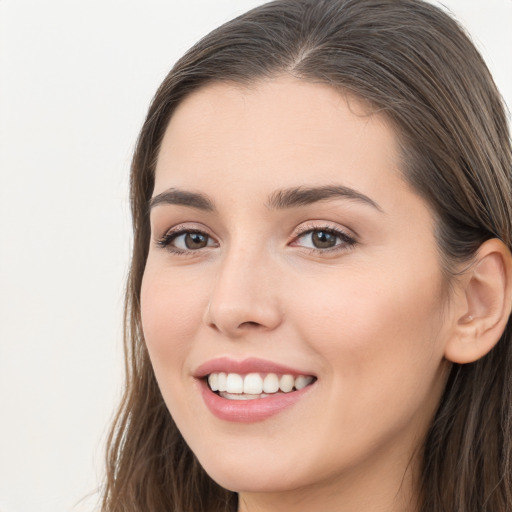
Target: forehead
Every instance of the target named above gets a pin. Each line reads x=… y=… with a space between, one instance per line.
x=284 y=132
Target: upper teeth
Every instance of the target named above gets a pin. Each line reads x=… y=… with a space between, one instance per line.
x=255 y=383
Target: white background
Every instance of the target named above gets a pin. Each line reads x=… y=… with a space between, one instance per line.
x=76 y=78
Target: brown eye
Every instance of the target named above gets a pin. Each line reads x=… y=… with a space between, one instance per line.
x=323 y=239
x=195 y=240
x=186 y=241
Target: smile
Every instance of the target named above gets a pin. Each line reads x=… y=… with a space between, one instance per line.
x=251 y=390
x=234 y=386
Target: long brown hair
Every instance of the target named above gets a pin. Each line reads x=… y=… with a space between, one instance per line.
x=417 y=67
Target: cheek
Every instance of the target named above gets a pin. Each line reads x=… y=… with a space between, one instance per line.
x=378 y=337
x=171 y=315
x=375 y=329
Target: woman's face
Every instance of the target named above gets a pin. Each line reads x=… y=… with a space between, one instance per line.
x=285 y=243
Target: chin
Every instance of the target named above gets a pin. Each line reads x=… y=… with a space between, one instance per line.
x=249 y=482
x=250 y=476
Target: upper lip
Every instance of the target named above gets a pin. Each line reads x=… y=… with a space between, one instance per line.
x=245 y=366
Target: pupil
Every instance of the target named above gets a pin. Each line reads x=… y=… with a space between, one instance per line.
x=195 y=241
x=323 y=240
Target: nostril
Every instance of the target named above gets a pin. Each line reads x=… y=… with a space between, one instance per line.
x=250 y=325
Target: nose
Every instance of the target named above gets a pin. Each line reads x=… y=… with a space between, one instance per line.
x=244 y=297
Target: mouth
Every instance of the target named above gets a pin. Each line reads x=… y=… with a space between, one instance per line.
x=254 y=386
x=251 y=390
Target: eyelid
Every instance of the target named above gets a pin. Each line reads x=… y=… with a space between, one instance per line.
x=171 y=234
x=319 y=225
x=348 y=240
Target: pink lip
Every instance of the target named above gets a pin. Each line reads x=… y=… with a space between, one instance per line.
x=251 y=365
x=247 y=411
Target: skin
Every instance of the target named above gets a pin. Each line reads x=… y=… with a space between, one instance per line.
x=369 y=320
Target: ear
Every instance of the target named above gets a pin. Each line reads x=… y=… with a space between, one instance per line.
x=484 y=306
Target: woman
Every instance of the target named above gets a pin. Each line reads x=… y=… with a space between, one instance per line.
x=318 y=309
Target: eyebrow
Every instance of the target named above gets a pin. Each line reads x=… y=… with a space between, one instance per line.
x=302 y=196
x=183 y=198
x=279 y=200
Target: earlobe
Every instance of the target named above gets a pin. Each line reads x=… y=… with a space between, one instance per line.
x=487 y=294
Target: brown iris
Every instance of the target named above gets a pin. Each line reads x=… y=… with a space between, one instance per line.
x=195 y=240
x=323 y=239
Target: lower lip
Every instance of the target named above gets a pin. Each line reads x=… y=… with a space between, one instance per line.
x=249 y=411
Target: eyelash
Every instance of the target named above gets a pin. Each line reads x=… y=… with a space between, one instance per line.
x=346 y=241
x=165 y=242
